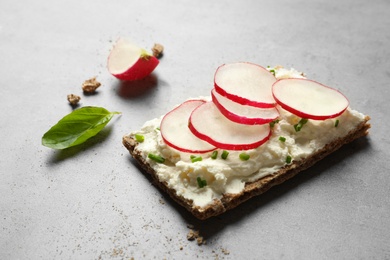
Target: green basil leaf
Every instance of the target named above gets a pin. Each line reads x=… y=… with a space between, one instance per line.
x=77 y=127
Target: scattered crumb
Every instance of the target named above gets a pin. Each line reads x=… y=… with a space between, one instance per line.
x=201 y=241
x=73 y=99
x=194 y=235
x=225 y=251
x=90 y=85
x=162 y=201
x=157 y=50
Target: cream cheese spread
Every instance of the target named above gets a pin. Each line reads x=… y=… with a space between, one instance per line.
x=230 y=175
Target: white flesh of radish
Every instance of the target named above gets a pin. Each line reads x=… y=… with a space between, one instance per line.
x=123 y=56
x=243 y=114
x=309 y=99
x=245 y=83
x=175 y=132
x=209 y=124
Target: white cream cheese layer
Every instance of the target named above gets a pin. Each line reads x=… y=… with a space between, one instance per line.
x=229 y=175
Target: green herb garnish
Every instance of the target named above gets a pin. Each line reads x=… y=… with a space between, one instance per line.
x=224 y=154
x=201 y=183
x=282 y=139
x=244 y=156
x=214 y=155
x=139 y=138
x=300 y=124
x=156 y=158
x=195 y=158
x=336 y=124
x=272 y=71
x=288 y=159
x=272 y=124
x=77 y=127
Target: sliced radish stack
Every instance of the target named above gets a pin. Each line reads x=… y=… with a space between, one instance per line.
x=175 y=132
x=309 y=99
x=245 y=83
x=243 y=114
x=209 y=124
x=127 y=61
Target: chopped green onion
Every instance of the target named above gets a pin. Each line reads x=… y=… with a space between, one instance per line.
x=201 y=183
x=224 y=154
x=288 y=159
x=300 y=124
x=156 y=158
x=272 y=124
x=195 y=158
x=244 y=156
x=139 y=138
x=214 y=155
x=272 y=71
x=282 y=139
x=158 y=128
x=336 y=124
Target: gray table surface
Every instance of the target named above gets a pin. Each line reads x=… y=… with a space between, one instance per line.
x=93 y=202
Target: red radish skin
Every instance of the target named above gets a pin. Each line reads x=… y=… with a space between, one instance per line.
x=175 y=132
x=243 y=114
x=210 y=125
x=129 y=62
x=245 y=83
x=309 y=99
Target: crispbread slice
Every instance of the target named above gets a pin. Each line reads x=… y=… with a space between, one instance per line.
x=230 y=201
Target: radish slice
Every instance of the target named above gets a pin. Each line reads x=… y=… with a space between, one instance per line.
x=309 y=99
x=127 y=61
x=245 y=83
x=209 y=124
x=243 y=114
x=175 y=132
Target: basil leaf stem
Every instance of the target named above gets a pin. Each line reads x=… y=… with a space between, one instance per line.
x=77 y=127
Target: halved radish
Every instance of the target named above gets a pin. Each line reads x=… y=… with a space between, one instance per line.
x=209 y=124
x=309 y=99
x=245 y=83
x=127 y=61
x=243 y=114
x=175 y=132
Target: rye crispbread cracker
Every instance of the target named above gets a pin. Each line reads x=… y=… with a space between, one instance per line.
x=230 y=201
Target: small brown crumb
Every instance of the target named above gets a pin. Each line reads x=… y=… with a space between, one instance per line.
x=194 y=235
x=157 y=50
x=200 y=241
x=90 y=85
x=73 y=99
x=225 y=251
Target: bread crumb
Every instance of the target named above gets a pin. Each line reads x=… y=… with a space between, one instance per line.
x=194 y=235
x=225 y=251
x=157 y=50
x=90 y=85
x=73 y=99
